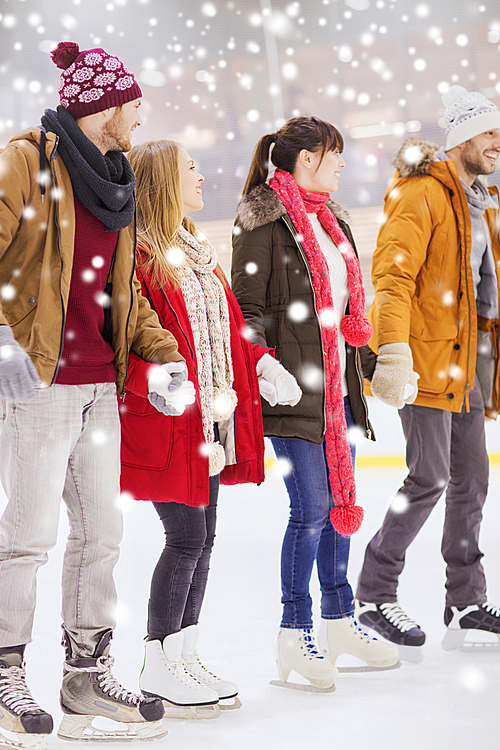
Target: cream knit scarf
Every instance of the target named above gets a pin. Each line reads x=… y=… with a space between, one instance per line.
x=208 y=314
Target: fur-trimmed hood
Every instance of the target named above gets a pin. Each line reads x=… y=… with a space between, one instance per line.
x=415 y=157
x=261 y=206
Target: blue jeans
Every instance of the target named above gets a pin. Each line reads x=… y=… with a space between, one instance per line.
x=311 y=537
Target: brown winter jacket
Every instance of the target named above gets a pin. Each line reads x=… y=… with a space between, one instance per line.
x=424 y=293
x=270 y=271
x=36 y=257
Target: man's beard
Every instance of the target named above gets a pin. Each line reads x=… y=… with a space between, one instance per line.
x=114 y=135
x=474 y=165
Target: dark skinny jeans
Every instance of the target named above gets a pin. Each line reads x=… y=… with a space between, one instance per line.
x=180 y=577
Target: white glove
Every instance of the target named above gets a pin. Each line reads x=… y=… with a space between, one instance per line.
x=169 y=389
x=394 y=381
x=277 y=385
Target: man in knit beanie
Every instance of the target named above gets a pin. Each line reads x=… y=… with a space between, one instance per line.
x=70 y=311
x=436 y=324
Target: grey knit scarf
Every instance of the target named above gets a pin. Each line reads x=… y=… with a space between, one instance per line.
x=105 y=184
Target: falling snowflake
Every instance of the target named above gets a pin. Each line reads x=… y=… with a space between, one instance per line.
x=28 y=212
x=298 y=311
x=88 y=275
x=99 y=437
x=311 y=376
x=8 y=292
x=413 y=154
x=327 y=317
x=400 y=503
x=284 y=466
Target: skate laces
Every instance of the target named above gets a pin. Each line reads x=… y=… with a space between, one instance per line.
x=360 y=632
x=491 y=609
x=308 y=638
x=14 y=692
x=184 y=676
x=397 y=617
x=195 y=667
x=107 y=681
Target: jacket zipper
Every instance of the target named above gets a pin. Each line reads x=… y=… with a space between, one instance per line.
x=467 y=384
x=368 y=430
x=287 y=221
x=55 y=187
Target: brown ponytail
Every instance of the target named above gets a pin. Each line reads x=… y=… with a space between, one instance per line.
x=260 y=162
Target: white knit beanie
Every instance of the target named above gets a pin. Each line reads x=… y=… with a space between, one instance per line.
x=467 y=114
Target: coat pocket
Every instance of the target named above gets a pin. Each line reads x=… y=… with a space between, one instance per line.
x=147 y=435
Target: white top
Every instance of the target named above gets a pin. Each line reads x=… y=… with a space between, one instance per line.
x=340 y=286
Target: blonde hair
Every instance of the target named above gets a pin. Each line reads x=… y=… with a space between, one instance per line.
x=159 y=207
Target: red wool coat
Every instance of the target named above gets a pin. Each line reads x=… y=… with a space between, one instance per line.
x=162 y=457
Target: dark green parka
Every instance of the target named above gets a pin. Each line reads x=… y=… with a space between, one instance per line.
x=271 y=280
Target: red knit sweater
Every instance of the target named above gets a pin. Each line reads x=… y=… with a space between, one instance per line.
x=86 y=356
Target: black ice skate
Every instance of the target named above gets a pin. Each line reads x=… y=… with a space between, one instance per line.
x=392 y=623
x=89 y=689
x=478 y=617
x=19 y=712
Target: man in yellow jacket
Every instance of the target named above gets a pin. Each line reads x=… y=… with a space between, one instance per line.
x=436 y=323
x=71 y=310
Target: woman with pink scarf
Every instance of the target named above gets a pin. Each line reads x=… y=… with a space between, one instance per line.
x=296 y=276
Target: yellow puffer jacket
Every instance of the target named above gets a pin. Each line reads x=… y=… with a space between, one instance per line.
x=424 y=293
x=36 y=259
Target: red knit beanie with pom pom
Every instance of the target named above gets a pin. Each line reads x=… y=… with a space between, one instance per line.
x=92 y=80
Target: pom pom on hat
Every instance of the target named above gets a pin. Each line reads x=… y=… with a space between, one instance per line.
x=453 y=93
x=65 y=54
x=346 y=519
x=356 y=330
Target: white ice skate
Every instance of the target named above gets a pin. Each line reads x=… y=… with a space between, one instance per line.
x=165 y=676
x=344 y=636
x=19 y=713
x=467 y=627
x=227 y=691
x=90 y=690
x=296 y=649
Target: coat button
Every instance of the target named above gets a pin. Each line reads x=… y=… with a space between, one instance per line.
x=32 y=300
x=456 y=346
x=450 y=395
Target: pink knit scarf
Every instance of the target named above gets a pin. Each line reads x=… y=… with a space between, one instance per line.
x=346 y=516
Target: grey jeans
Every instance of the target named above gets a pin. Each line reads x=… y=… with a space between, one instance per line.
x=65 y=443
x=444 y=450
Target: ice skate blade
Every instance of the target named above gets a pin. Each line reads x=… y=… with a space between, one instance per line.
x=454 y=640
x=80 y=728
x=305 y=688
x=209 y=711
x=412 y=654
x=23 y=741
x=367 y=668
x=230 y=706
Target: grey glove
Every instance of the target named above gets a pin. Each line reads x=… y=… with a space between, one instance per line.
x=169 y=389
x=394 y=381
x=18 y=375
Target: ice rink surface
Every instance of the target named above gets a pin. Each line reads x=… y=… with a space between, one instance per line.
x=449 y=701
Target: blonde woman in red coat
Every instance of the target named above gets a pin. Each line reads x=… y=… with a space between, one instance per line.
x=177 y=462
